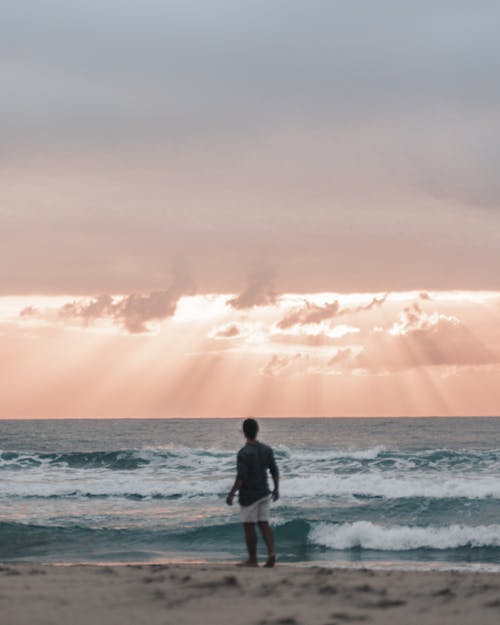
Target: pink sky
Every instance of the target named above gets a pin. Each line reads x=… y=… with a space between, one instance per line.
x=235 y=207
x=399 y=353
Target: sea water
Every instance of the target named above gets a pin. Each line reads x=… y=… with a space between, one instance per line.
x=352 y=490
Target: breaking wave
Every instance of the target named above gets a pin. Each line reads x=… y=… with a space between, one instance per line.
x=367 y=535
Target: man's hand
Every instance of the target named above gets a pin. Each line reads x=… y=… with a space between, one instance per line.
x=230 y=496
x=275 y=494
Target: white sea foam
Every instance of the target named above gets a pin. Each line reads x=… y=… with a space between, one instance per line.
x=334 y=454
x=378 y=484
x=191 y=472
x=148 y=483
x=367 y=535
x=326 y=459
x=202 y=479
x=102 y=483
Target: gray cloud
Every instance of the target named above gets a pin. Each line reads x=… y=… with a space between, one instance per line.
x=309 y=313
x=159 y=60
x=133 y=311
x=342 y=355
x=302 y=364
x=315 y=313
x=29 y=311
x=423 y=340
x=280 y=364
x=311 y=340
x=258 y=292
x=229 y=331
x=183 y=74
x=100 y=306
x=417 y=339
x=131 y=131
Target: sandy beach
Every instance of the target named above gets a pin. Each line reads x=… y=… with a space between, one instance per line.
x=195 y=594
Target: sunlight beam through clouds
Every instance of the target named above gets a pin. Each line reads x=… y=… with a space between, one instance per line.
x=203 y=348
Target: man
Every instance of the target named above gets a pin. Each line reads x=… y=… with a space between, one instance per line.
x=254 y=459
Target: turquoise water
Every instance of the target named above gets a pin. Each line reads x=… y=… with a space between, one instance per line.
x=358 y=490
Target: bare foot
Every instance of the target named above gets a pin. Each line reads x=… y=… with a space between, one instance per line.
x=248 y=563
x=271 y=560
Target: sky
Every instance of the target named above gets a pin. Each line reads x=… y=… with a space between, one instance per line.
x=283 y=208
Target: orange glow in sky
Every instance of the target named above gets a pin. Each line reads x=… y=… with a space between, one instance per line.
x=388 y=354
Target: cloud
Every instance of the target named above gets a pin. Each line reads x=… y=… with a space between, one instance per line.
x=306 y=364
x=414 y=320
x=251 y=162
x=281 y=364
x=375 y=302
x=342 y=355
x=134 y=311
x=29 y=311
x=319 y=339
x=418 y=339
x=228 y=331
x=311 y=313
x=258 y=292
x=100 y=306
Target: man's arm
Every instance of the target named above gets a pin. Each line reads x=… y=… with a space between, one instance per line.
x=275 y=474
x=241 y=475
x=236 y=486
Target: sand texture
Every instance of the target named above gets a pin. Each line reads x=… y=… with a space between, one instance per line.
x=188 y=594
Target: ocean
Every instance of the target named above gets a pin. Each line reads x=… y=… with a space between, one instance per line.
x=353 y=491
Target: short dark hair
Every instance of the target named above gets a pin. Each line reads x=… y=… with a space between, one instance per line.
x=250 y=428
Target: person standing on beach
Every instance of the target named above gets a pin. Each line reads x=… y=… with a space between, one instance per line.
x=254 y=460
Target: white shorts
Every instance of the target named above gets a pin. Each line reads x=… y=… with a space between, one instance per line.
x=256 y=511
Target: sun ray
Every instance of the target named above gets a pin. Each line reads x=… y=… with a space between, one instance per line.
x=190 y=364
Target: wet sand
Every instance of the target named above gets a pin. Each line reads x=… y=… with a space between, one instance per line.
x=216 y=594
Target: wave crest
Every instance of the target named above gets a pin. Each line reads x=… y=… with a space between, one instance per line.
x=367 y=535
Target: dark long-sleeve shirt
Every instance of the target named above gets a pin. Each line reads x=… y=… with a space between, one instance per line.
x=254 y=460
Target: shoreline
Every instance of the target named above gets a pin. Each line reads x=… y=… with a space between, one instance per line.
x=215 y=593
x=340 y=565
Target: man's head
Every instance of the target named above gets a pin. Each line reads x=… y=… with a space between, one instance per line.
x=250 y=428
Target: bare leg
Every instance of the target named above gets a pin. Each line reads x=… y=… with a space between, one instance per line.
x=251 y=541
x=268 y=536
